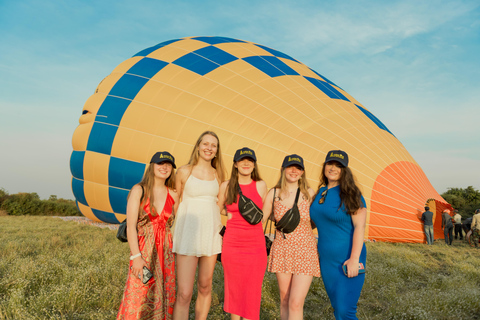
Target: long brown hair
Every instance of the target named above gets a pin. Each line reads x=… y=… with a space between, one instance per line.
x=232 y=190
x=302 y=184
x=217 y=161
x=147 y=185
x=350 y=194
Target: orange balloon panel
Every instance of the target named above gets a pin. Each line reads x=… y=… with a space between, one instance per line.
x=165 y=96
x=395 y=208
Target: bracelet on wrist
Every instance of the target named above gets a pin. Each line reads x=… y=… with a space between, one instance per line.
x=136 y=256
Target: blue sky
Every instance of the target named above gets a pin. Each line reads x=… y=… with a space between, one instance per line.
x=414 y=64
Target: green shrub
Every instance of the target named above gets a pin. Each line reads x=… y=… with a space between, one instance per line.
x=21 y=204
x=466 y=201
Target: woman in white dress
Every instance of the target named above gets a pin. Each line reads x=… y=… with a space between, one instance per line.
x=196 y=238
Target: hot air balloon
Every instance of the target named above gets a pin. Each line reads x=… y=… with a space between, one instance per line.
x=165 y=96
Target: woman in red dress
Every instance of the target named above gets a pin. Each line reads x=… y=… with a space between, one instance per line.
x=244 y=256
x=150 y=214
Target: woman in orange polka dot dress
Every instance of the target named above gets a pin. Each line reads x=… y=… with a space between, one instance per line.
x=293 y=256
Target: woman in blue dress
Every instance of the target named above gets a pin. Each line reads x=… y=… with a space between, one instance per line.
x=339 y=211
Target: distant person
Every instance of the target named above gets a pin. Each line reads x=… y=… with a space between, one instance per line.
x=475 y=228
x=427 y=218
x=447 y=226
x=244 y=257
x=458 y=225
x=150 y=214
x=340 y=213
x=467 y=225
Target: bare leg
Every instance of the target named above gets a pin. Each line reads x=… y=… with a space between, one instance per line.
x=206 y=266
x=298 y=292
x=284 y=284
x=237 y=317
x=186 y=267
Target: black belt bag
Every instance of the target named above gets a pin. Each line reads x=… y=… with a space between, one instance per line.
x=290 y=220
x=248 y=209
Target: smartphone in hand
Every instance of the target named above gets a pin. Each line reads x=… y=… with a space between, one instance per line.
x=222 y=232
x=147 y=275
x=361 y=268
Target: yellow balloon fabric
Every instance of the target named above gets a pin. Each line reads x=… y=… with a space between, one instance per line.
x=252 y=96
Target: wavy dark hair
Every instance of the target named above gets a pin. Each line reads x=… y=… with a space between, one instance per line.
x=350 y=194
x=232 y=190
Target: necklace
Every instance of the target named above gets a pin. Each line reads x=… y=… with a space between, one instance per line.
x=291 y=192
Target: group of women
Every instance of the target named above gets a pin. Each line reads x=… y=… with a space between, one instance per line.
x=174 y=254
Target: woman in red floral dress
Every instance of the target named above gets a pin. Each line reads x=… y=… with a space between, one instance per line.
x=293 y=256
x=150 y=214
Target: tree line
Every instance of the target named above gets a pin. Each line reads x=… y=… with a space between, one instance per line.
x=30 y=204
x=466 y=201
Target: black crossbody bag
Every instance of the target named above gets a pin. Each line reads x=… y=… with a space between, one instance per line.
x=122 y=228
x=290 y=220
x=248 y=209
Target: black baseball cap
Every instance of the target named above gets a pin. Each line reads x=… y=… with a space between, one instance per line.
x=427 y=208
x=293 y=160
x=339 y=156
x=163 y=156
x=244 y=153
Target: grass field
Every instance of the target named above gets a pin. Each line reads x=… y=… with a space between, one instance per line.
x=51 y=269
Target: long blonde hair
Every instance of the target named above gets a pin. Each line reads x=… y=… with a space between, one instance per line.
x=302 y=184
x=217 y=161
x=147 y=185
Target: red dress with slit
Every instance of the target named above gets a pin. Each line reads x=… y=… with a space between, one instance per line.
x=155 y=299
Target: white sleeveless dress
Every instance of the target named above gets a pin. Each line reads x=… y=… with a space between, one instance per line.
x=197 y=222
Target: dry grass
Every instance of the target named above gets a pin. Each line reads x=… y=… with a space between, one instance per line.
x=51 y=269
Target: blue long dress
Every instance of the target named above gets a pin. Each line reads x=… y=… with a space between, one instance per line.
x=335 y=235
